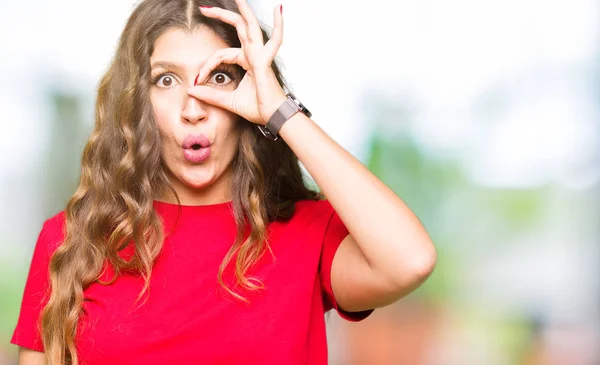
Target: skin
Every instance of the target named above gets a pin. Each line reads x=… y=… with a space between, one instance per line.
x=31 y=357
x=388 y=252
x=179 y=114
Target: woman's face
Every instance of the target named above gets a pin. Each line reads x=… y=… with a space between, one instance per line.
x=199 y=140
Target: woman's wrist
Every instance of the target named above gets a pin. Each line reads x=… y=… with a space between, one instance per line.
x=271 y=106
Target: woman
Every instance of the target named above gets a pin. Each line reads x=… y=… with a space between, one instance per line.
x=183 y=202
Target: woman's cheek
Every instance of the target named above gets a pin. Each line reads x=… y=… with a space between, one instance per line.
x=161 y=119
x=164 y=103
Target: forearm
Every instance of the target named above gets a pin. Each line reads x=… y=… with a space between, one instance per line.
x=388 y=233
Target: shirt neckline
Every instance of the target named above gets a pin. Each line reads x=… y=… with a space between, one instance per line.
x=165 y=206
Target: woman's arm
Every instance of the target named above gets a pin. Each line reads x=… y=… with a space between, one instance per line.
x=388 y=252
x=31 y=357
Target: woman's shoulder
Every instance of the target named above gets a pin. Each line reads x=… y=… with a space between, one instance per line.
x=312 y=203
x=53 y=231
x=313 y=208
x=56 y=219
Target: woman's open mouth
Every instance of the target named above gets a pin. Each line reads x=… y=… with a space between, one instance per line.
x=196 y=147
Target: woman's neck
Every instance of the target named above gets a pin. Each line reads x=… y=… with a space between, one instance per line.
x=217 y=192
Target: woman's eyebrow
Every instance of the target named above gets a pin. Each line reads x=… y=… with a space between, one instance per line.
x=167 y=65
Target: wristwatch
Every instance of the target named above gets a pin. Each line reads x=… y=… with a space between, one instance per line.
x=289 y=107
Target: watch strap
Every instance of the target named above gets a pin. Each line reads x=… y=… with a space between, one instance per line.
x=281 y=115
x=287 y=109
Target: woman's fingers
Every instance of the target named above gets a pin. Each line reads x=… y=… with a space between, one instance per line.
x=224 y=55
x=272 y=46
x=229 y=17
x=254 y=31
x=221 y=98
x=250 y=33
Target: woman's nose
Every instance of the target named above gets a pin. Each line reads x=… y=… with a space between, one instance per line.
x=194 y=110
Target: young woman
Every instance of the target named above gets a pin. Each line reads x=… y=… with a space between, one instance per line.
x=192 y=199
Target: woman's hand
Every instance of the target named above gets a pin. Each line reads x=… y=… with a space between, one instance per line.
x=258 y=95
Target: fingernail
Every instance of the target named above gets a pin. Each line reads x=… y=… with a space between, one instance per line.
x=196 y=80
x=205 y=7
x=281 y=9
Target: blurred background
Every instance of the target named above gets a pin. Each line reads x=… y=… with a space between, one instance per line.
x=482 y=115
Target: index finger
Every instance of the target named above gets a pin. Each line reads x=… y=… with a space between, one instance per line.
x=223 y=55
x=254 y=29
x=229 y=17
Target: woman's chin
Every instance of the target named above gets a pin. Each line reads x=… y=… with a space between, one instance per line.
x=197 y=182
x=196 y=177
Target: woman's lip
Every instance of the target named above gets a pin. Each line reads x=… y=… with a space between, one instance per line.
x=192 y=139
x=196 y=156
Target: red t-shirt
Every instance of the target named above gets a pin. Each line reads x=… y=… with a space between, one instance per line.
x=187 y=318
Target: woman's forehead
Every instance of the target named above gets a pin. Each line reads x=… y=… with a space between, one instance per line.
x=184 y=48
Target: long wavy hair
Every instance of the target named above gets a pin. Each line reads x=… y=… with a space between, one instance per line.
x=122 y=172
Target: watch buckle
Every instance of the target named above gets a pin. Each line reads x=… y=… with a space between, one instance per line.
x=267 y=133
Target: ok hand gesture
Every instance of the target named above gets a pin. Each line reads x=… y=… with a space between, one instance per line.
x=258 y=95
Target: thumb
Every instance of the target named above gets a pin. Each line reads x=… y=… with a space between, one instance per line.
x=210 y=95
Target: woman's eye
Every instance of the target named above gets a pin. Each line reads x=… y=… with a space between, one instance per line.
x=167 y=81
x=220 y=79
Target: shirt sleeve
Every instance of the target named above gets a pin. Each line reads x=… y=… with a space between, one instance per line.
x=335 y=232
x=35 y=294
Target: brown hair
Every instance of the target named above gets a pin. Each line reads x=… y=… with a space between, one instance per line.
x=122 y=172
